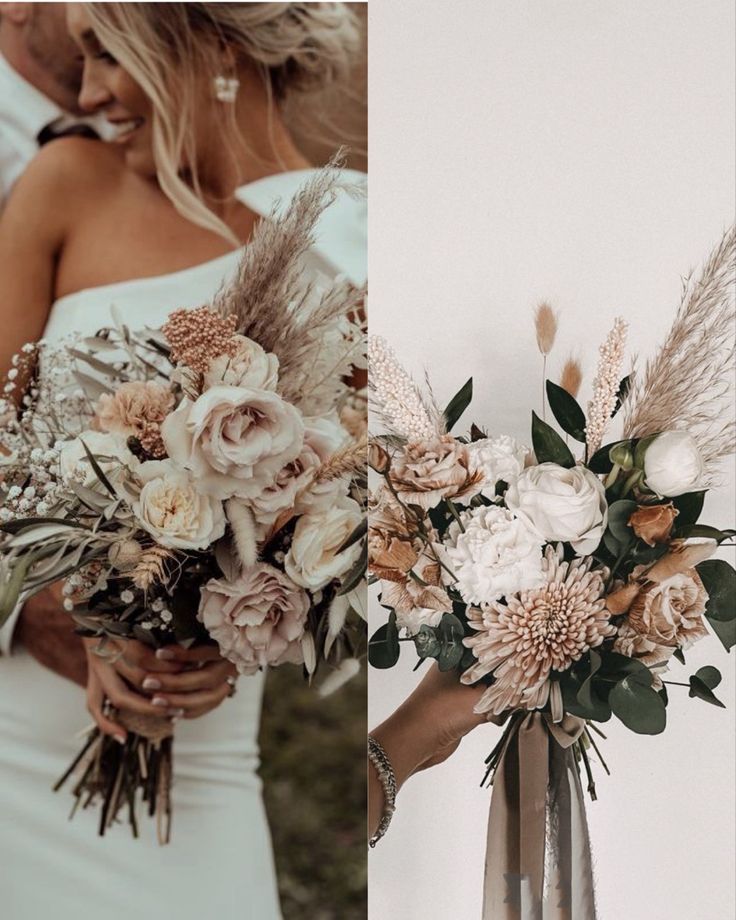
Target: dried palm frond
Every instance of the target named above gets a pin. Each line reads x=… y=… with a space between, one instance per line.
x=689 y=383
x=269 y=297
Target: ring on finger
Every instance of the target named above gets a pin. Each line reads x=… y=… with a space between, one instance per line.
x=232 y=683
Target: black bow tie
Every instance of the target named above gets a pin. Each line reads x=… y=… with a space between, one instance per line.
x=50 y=133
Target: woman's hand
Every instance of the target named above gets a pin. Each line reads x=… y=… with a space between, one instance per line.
x=425 y=730
x=171 y=681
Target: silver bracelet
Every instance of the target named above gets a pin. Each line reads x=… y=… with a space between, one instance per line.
x=385 y=773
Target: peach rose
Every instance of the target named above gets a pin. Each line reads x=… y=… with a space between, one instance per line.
x=664 y=617
x=653 y=523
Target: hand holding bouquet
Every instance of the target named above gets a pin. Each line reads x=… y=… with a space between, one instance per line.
x=564 y=579
x=195 y=486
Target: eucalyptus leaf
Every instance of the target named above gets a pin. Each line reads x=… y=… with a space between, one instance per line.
x=98 y=469
x=458 y=404
x=565 y=408
x=702 y=684
x=426 y=642
x=450 y=636
x=726 y=632
x=640 y=708
x=383 y=647
x=548 y=445
x=618 y=520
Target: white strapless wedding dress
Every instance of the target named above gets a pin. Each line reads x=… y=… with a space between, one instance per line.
x=219 y=862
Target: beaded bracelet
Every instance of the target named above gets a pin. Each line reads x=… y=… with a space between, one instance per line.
x=384 y=770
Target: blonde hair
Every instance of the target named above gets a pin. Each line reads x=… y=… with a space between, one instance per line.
x=168 y=47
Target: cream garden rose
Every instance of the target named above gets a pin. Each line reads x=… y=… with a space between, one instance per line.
x=313 y=559
x=174 y=510
x=561 y=504
x=673 y=465
x=250 y=366
x=234 y=440
x=257 y=620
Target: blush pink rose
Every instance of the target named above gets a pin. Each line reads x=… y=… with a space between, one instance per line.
x=258 y=619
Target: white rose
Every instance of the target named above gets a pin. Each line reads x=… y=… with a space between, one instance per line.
x=313 y=559
x=561 y=504
x=501 y=458
x=250 y=366
x=673 y=464
x=109 y=450
x=234 y=439
x=494 y=556
x=174 y=510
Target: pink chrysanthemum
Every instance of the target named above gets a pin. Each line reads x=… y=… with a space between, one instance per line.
x=536 y=632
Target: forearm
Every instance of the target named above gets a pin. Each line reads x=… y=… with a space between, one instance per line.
x=47 y=634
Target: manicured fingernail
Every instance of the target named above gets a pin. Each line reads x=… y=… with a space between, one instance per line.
x=165 y=654
x=150 y=683
x=177 y=713
x=159 y=701
x=119 y=738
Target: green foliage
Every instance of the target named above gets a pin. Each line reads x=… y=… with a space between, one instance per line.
x=719 y=580
x=450 y=636
x=383 y=647
x=458 y=404
x=623 y=391
x=690 y=507
x=548 y=445
x=566 y=410
x=638 y=706
x=702 y=684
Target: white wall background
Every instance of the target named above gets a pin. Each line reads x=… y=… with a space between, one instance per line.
x=581 y=151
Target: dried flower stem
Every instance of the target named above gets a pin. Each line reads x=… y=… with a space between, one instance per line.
x=605 y=385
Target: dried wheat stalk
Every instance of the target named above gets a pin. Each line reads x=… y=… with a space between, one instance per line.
x=689 y=383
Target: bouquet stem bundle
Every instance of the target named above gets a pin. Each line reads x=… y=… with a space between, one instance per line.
x=114 y=775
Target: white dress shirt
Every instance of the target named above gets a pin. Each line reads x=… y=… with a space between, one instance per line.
x=24 y=111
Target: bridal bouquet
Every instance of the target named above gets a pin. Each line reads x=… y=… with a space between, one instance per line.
x=566 y=576
x=199 y=483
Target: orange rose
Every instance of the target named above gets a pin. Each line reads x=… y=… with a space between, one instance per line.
x=653 y=523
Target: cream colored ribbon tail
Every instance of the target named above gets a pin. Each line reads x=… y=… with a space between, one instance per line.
x=538 y=860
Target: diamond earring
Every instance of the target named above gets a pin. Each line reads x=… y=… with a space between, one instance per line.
x=226 y=88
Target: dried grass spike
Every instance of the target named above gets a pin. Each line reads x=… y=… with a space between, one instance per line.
x=152 y=567
x=571 y=377
x=545 y=326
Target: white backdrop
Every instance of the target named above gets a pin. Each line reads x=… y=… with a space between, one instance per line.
x=581 y=151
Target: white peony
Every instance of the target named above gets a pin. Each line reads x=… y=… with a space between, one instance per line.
x=250 y=366
x=673 y=464
x=109 y=450
x=496 y=555
x=235 y=440
x=501 y=458
x=561 y=504
x=313 y=559
x=174 y=510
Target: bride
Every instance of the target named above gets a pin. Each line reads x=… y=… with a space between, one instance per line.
x=153 y=221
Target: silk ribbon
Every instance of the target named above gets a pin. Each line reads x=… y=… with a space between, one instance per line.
x=538 y=860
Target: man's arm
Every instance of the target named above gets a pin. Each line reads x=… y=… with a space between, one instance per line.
x=46 y=631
